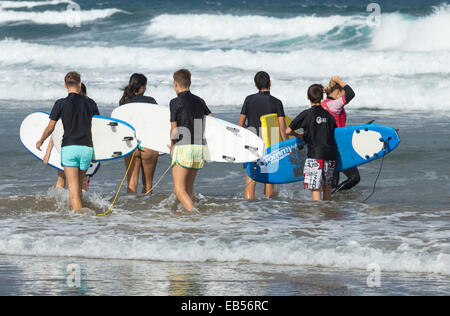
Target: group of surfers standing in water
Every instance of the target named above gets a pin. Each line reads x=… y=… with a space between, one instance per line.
x=318 y=124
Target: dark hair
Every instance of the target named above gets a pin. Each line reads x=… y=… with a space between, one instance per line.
x=137 y=81
x=83 y=91
x=262 y=80
x=315 y=93
x=72 y=79
x=183 y=77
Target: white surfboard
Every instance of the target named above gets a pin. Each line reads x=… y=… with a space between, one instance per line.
x=31 y=131
x=112 y=138
x=225 y=142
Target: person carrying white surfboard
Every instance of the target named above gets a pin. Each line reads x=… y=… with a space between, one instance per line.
x=61 y=179
x=144 y=158
x=187 y=113
x=339 y=94
x=76 y=112
x=318 y=133
x=255 y=106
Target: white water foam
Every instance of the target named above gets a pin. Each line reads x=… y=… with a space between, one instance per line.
x=55 y=17
x=304 y=63
x=401 y=96
x=394 y=80
x=231 y=27
x=31 y=4
x=405 y=33
x=343 y=255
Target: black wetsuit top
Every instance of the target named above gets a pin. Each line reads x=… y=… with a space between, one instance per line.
x=76 y=112
x=188 y=110
x=140 y=99
x=260 y=104
x=318 y=126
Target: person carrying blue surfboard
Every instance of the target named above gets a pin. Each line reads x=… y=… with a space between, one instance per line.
x=255 y=106
x=76 y=112
x=318 y=133
x=339 y=94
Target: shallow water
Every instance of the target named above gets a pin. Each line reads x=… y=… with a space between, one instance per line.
x=283 y=246
x=403 y=228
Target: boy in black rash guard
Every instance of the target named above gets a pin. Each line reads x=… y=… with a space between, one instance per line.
x=187 y=113
x=255 y=106
x=318 y=133
x=76 y=112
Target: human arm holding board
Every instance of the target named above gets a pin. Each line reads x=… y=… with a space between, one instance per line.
x=46 y=134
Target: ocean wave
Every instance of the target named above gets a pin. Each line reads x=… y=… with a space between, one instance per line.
x=400 y=81
x=397 y=31
x=56 y=17
x=405 y=33
x=231 y=27
x=31 y=4
x=302 y=63
x=343 y=255
x=389 y=94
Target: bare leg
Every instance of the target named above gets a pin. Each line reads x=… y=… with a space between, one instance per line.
x=190 y=182
x=327 y=193
x=61 y=181
x=316 y=195
x=73 y=176
x=180 y=179
x=149 y=160
x=250 y=186
x=269 y=190
x=84 y=184
x=133 y=174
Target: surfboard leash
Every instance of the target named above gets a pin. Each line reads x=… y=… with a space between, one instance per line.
x=379 y=172
x=159 y=181
x=120 y=187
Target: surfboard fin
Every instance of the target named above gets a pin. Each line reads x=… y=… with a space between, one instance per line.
x=228 y=159
x=232 y=129
x=254 y=149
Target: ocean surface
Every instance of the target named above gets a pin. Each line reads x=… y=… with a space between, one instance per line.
x=398 y=65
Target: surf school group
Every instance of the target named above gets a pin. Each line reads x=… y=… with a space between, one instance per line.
x=318 y=123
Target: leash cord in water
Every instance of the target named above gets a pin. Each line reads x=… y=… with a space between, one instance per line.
x=160 y=179
x=120 y=187
x=379 y=173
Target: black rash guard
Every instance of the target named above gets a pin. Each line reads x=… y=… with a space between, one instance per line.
x=260 y=104
x=318 y=126
x=76 y=113
x=188 y=111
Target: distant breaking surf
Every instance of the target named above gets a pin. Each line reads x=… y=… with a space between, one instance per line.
x=49 y=16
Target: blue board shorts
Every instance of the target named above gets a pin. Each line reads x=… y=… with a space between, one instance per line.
x=77 y=157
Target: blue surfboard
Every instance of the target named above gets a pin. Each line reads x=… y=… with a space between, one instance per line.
x=356 y=145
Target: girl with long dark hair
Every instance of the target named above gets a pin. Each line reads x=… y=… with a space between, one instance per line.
x=144 y=158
